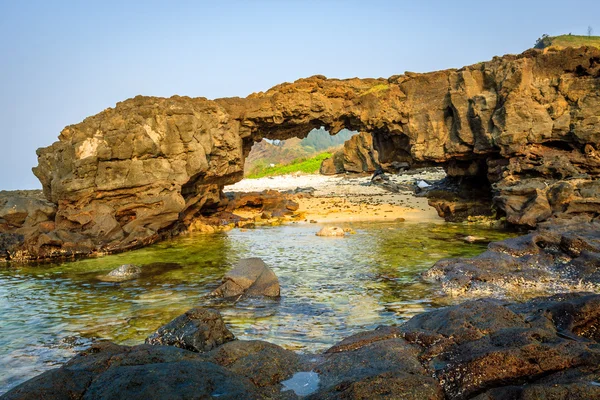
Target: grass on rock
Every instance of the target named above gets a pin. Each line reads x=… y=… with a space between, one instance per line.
x=309 y=165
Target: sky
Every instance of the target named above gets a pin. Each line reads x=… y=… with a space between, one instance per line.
x=62 y=61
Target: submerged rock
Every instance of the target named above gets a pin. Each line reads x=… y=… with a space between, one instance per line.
x=250 y=277
x=199 y=330
x=123 y=273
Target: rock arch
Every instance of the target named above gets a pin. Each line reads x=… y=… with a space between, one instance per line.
x=130 y=174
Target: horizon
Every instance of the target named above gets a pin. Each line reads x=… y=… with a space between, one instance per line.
x=67 y=61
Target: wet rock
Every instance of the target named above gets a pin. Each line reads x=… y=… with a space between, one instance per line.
x=250 y=277
x=123 y=273
x=457 y=199
x=331 y=231
x=263 y=363
x=489 y=348
x=9 y=245
x=484 y=349
x=380 y=366
x=181 y=379
x=473 y=239
x=199 y=330
x=555 y=258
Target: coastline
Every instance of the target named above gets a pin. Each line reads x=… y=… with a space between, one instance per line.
x=346 y=198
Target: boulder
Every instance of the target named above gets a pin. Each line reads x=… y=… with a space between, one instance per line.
x=357 y=156
x=331 y=231
x=199 y=329
x=332 y=165
x=264 y=363
x=250 y=277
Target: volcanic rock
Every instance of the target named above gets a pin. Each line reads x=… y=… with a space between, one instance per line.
x=358 y=155
x=145 y=169
x=250 y=277
x=483 y=349
x=558 y=257
x=199 y=329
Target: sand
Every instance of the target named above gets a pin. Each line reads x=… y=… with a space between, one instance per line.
x=347 y=198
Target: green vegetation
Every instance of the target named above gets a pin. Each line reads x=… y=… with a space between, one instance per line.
x=376 y=89
x=284 y=152
x=309 y=165
x=563 y=41
x=319 y=139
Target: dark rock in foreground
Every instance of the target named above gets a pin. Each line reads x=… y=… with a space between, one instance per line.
x=199 y=329
x=558 y=257
x=547 y=348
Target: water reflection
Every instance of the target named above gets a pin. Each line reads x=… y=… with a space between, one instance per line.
x=331 y=288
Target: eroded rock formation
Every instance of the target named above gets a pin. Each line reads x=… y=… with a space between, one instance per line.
x=526 y=124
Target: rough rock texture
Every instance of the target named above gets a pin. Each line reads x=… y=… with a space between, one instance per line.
x=250 y=277
x=557 y=257
x=272 y=202
x=527 y=123
x=547 y=348
x=199 y=329
x=357 y=155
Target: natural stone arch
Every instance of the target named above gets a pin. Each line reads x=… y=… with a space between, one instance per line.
x=147 y=167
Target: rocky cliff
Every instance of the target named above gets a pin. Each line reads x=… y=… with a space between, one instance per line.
x=526 y=124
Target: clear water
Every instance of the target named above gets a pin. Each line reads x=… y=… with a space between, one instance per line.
x=331 y=288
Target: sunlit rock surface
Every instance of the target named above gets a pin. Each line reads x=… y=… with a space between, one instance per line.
x=526 y=124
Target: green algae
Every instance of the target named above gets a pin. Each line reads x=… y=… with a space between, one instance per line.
x=331 y=288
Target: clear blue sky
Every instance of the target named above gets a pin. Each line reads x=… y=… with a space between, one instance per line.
x=63 y=61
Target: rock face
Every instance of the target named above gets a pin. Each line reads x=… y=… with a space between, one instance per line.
x=358 y=155
x=485 y=349
x=527 y=124
x=250 y=277
x=555 y=258
x=199 y=330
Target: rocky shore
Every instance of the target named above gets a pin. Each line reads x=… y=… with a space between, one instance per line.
x=483 y=349
x=521 y=128
x=518 y=140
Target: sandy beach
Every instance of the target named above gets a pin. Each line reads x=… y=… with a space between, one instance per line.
x=347 y=198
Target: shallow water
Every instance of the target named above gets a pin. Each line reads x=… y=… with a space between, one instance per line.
x=331 y=288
